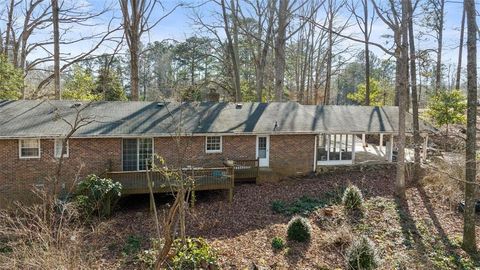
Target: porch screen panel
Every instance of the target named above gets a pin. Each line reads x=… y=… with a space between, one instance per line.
x=130 y=159
x=346 y=146
x=262 y=147
x=335 y=147
x=144 y=153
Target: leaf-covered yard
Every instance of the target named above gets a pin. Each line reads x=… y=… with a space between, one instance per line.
x=423 y=234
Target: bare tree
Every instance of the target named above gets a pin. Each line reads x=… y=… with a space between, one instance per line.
x=56 y=49
x=469 y=237
x=137 y=20
x=397 y=21
x=460 y=51
x=232 y=43
x=285 y=12
x=364 y=23
x=261 y=37
x=413 y=85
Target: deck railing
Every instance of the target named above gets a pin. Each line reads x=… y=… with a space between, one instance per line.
x=246 y=169
x=135 y=182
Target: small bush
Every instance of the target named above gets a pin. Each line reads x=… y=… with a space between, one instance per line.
x=132 y=245
x=362 y=255
x=301 y=206
x=352 y=199
x=96 y=195
x=196 y=253
x=278 y=243
x=299 y=229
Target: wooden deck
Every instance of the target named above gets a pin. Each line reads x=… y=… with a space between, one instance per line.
x=221 y=178
x=135 y=182
x=246 y=170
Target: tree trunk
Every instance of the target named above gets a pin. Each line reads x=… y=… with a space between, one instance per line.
x=280 y=43
x=328 y=75
x=367 y=53
x=469 y=237
x=402 y=89
x=460 y=52
x=413 y=81
x=438 y=70
x=56 y=49
x=134 y=69
x=9 y=29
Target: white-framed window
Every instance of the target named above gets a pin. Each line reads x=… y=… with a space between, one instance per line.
x=137 y=154
x=213 y=144
x=29 y=148
x=59 y=147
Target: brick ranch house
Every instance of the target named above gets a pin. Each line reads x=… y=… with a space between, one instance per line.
x=285 y=138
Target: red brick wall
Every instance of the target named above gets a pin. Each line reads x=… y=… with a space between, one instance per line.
x=18 y=176
x=292 y=154
x=289 y=155
x=191 y=150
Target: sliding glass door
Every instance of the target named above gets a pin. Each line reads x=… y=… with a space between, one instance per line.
x=137 y=154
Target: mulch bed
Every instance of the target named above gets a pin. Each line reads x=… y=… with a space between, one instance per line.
x=241 y=231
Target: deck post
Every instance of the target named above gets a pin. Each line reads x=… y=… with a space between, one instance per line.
x=152 y=201
x=192 y=198
x=381 y=144
x=364 y=143
x=390 y=154
x=315 y=154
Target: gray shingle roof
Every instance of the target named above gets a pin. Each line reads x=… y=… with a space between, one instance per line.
x=46 y=118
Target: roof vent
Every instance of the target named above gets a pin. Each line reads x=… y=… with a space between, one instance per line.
x=76 y=105
x=238 y=106
x=160 y=104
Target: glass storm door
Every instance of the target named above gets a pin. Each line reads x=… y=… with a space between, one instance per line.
x=263 y=149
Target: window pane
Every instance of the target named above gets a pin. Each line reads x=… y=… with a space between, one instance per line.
x=58 y=148
x=130 y=154
x=30 y=152
x=262 y=147
x=29 y=148
x=145 y=153
x=214 y=143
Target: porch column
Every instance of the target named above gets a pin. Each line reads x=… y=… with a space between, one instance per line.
x=425 y=145
x=364 y=143
x=390 y=154
x=381 y=144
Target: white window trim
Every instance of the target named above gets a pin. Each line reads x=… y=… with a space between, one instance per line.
x=55 y=148
x=214 y=151
x=29 y=157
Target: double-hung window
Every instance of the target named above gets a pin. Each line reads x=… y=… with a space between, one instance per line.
x=137 y=154
x=29 y=148
x=59 y=148
x=213 y=144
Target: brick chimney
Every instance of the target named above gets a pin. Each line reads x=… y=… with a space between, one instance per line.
x=212 y=96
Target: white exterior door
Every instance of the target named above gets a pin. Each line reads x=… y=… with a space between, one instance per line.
x=263 y=150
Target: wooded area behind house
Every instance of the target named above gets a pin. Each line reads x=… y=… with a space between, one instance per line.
x=313 y=52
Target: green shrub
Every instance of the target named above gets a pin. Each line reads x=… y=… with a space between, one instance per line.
x=362 y=255
x=299 y=229
x=95 y=195
x=132 y=245
x=196 y=253
x=278 y=243
x=301 y=206
x=352 y=199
